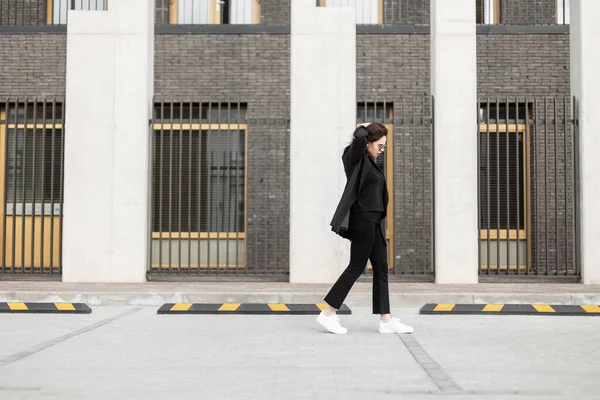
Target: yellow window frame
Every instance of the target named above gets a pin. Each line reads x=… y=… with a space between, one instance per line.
x=513 y=234
x=14 y=244
x=215 y=12
x=199 y=127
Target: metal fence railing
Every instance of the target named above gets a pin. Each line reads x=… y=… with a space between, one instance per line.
x=215 y=210
x=527 y=188
x=414 y=187
x=44 y=12
x=31 y=189
x=408 y=165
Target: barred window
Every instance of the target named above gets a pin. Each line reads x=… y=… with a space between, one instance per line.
x=503 y=166
x=34 y=150
x=199 y=169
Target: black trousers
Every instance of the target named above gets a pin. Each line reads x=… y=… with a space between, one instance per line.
x=367 y=243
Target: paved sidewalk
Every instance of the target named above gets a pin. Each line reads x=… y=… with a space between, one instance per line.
x=402 y=294
x=131 y=353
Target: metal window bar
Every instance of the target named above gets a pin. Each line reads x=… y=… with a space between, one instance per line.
x=527 y=210
x=32 y=186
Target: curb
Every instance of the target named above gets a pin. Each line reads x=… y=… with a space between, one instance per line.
x=44 y=308
x=510 y=309
x=247 y=309
x=354 y=299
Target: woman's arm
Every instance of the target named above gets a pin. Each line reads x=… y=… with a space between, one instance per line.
x=358 y=145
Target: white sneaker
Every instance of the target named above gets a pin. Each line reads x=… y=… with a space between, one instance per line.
x=331 y=323
x=394 y=326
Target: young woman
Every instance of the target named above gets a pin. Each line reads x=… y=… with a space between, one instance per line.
x=359 y=217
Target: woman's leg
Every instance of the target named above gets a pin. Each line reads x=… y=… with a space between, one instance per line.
x=381 y=294
x=363 y=235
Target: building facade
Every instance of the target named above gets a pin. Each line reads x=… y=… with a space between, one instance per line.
x=219 y=142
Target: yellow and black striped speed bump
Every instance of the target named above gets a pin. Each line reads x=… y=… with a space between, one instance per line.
x=510 y=309
x=45 y=308
x=247 y=308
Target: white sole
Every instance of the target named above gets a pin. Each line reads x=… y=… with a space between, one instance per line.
x=401 y=333
x=329 y=330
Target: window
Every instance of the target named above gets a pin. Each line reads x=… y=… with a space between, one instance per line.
x=32 y=175
x=31 y=164
x=57 y=9
x=563 y=12
x=33 y=158
x=503 y=184
x=368 y=12
x=201 y=178
x=202 y=12
x=487 y=12
x=199 y=185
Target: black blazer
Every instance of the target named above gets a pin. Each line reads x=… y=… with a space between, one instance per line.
x=357 y=167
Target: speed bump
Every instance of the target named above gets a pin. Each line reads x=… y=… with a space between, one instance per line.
x=247 y=308
x=44 y=308
x=510 y=309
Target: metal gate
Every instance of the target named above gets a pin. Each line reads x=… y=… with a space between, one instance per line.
x=408 y=165
x=215 y=210
x=31 y=162
x=527 y=188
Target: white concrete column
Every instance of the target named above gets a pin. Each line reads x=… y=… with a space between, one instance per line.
x=585 y=86
x=454 y=87
x=110 y=74
x=323 y=118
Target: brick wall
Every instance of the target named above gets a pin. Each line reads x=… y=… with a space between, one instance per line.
x=252 y=69
x=508 y=65
x=275 y=12
x=33 y=65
